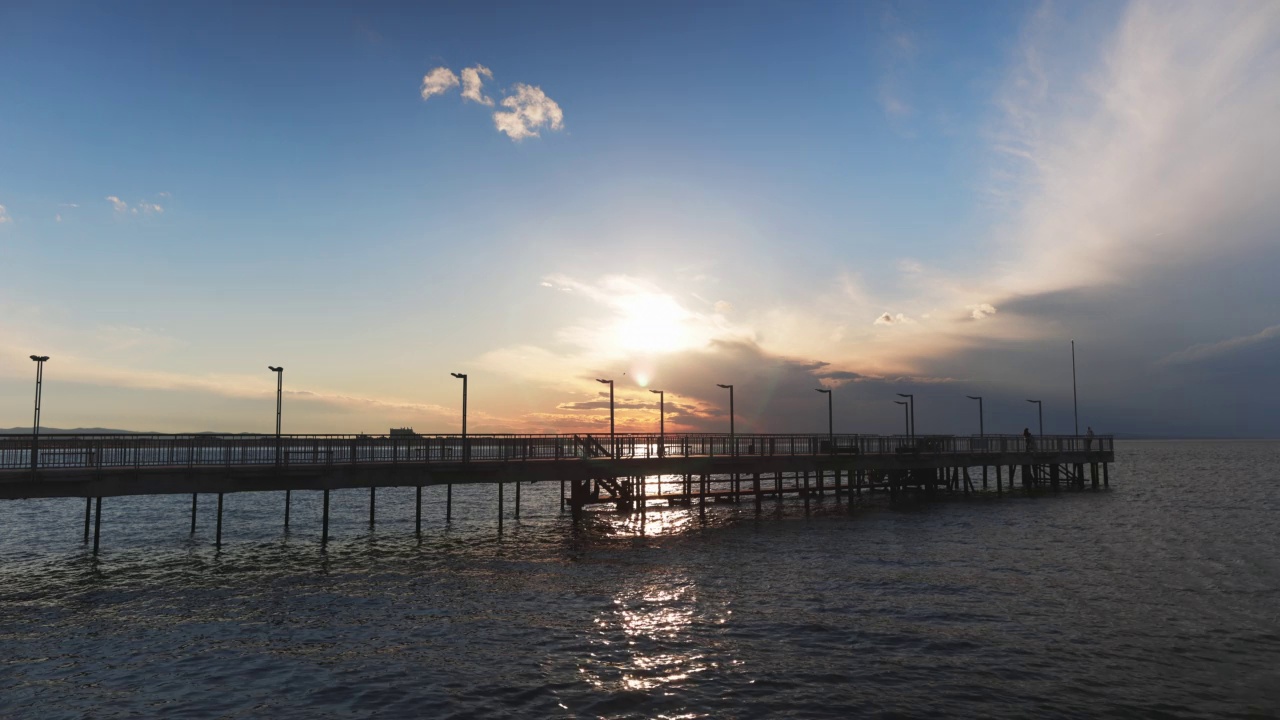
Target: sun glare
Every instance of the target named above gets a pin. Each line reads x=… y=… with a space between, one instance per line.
x=653 y=323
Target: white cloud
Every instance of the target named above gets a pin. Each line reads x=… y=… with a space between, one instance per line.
x=57 y=217
x=530 y=111
x=981 y=310
x=472 y=84
x=438 y=81
x=891 y=319
x=723 y=307
x=142 y=208
x=4 y=215
x=1143 y=161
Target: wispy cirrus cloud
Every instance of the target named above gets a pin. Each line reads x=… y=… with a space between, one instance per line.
x=1208 y=351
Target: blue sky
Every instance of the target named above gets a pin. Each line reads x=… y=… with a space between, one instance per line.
x=872 y=196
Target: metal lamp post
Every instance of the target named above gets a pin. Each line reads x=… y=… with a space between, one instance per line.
x=1075 y=404
x=613 y=441
x=279 y=371
x=662 y=422
x=733 y=436
x=466 y=454
x=906 y=417
x=831 y=435
x=35 y=423
x=981 y=431
x=911 y=398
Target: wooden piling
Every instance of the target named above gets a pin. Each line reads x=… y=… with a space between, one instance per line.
x=217 y=536
x=1106 y=475
x=517 y=499
x=88 y=504
x=806 y=492
x=500 y=486
x=561 y=496
x=984 y=477
x=287 y=502
x=193 y=516
x=755 y=487
x=999 y=483
x=373 y=495
x=417 y=517
x=448 y=502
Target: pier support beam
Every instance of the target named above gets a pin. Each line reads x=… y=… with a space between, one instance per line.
x=517 y=499
x=324 y=522
x=500 y=486
x=217 y=537
x=373 y=495
x=97 y=522
x=999 y=488
x=287 y=502
x=1106 y=475
x=88 y=505
x=417 y=517
x=448 y=502
x=193 y=513
x=755 y=488
x=806 y=492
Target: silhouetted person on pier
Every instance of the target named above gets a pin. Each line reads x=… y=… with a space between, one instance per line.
x=1031 y=441
x=1088 y=439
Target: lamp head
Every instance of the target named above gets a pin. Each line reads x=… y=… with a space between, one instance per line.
x=726 y=387
x=1033 y=401
x=899 y=402
x=974 y=397
x=460 y=376
x=905 y=395
x=656 y=392
x=823 y=390
x=273 y=368
x=606 y=382
x=39 y=358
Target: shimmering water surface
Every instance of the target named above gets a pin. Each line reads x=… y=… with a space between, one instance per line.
x=1160 y=597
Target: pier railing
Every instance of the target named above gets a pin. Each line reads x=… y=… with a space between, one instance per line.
x=207 y=450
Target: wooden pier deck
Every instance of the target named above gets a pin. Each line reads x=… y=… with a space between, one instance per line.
x=630 y=472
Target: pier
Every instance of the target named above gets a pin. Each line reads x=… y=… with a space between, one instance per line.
x=632 y=472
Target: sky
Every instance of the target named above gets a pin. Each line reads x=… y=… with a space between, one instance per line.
x=871 y=197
